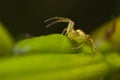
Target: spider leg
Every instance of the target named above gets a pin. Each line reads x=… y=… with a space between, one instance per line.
x=78 y=47
x=50 y=19
x=54 y=22
x=61 y=19
x=64 y=31
x=56 y=18
x=91 y=43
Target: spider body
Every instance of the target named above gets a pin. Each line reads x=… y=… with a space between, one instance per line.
x=76 y=35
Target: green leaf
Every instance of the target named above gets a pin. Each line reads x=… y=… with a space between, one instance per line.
x=6 y=42
x=114 y=38
x=53 y=66
x=55 y=43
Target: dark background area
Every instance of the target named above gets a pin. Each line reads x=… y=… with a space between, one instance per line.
x=27 y=16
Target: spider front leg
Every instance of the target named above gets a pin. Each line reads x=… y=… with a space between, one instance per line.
x=61 y=19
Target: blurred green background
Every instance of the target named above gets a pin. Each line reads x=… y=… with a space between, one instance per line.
x=22 y=17
x=27 y=16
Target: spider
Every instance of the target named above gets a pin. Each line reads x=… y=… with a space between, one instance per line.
x=76 y=35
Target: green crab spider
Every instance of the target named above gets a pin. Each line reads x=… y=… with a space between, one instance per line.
x=76 y=35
